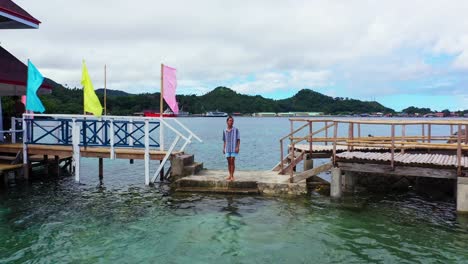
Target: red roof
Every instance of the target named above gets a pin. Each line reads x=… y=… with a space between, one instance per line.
x=13 y=16
x=13 y=76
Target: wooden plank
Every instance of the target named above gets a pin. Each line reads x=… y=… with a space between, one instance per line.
x=312 y=172
x=385 y=169
x=293 y=163
x=9 y=167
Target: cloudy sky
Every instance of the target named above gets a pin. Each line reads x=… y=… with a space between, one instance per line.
x=399 y=53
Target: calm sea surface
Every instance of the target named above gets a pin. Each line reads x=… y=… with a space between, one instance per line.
x=123 y=221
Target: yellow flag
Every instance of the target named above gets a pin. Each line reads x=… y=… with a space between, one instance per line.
x=91 y=101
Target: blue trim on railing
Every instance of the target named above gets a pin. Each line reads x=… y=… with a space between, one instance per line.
x=92 y=133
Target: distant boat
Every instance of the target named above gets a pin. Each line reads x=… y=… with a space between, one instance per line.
x=183 y=114
x=216 y=114
x=151 y=113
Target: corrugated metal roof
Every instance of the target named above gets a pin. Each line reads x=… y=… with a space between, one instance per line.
x=13 y=75
x=12 y=16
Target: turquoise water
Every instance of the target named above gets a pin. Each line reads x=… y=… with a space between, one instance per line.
x=122 y=221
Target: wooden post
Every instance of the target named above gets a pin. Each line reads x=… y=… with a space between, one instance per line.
x=13 y=128
x=130 y=132
x=459 y=151
x=466 y=134
x=310 y=138
x=429 y=133
x=101 y=169
x=350 y=136
x=281 y=156
x=105 y=89
x=45 y=161
x=57 y=163
x=76 y=149
x=161 y=110
x=451 y=129
x=147 y=155
x=25 y=150
x=392 y=161
x=326 y=133
x=161 y=173
x=403 y=134
x=423 y=134
x=292 y=156
x=111 y=139
x=335 y=133
x=359 y=130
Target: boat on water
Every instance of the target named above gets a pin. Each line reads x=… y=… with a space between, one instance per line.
x=216 y=114
x=166 y=113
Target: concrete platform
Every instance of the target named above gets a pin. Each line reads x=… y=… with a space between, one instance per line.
x=245 y=182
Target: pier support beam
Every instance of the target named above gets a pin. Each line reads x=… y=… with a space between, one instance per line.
x=101 y=169
x=308 y=163
x=349 y=181
x=462 y=194
x=336 y=181
x=57 y=164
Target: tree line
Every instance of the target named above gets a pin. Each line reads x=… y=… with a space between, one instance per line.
x=70 y=101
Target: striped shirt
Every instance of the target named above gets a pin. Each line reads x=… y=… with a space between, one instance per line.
x=231 y=137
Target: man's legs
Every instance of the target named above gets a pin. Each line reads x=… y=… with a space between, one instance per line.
x=233 y=166
x=229 y=167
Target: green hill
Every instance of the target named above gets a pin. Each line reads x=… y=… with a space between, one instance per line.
x=70 y=101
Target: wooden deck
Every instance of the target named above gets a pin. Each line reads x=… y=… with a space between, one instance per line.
x=435 y=160
x=329 y=148
x=90 y=152
x=390 y=145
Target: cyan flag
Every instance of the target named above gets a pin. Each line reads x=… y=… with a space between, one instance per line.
x=33 y=103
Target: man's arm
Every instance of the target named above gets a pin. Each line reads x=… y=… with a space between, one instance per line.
x=237 y=146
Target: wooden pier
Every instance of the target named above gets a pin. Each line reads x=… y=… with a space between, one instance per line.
x=71 y=137
x=399 y=148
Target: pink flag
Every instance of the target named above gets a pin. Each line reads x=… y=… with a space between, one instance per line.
x=169 y=88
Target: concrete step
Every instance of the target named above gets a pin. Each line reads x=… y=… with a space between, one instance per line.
x=216 y=184
x=219 y=190
x=187 y=159
x=193 y=168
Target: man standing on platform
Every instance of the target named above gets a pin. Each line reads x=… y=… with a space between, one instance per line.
x=231 y=139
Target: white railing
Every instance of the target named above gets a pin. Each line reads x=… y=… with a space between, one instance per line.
x=105 y=131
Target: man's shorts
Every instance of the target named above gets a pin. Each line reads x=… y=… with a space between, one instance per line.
x=231 y=154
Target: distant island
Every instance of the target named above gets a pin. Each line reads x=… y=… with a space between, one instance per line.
x=70 y=101
x=65 y=100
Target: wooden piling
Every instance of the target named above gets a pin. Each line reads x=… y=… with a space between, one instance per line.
x=403 y=134
x=101 y=169
x=392 y=161
x=466 y=134
x=429 y=132
x=459 y=151
x=423 y=133
x=310 y=138
x=161 y=173
x=45 y=161
x=326 y=132
x=335 y=135
x=57 y=163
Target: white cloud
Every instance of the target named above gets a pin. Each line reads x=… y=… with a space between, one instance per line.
x=283 y=44
x=274 y=81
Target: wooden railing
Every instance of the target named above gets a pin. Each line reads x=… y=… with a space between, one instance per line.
x=424 y=140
